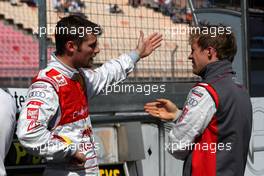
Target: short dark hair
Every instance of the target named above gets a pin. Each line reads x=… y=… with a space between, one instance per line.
x=74 y=28
x=224 y=42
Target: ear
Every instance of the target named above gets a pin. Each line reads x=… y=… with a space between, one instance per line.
x=212 y=53
x=70 y=46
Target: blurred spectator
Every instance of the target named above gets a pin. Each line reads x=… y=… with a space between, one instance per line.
x=188 y=15
x=183 y=15
x=134 y=3
x=72 y=6
x=80 y=3
x=75 y=7
x=30 y=3
x=115 y=9
x=150 y=4
x=58 y=5
x=169 y=8
x=14 y=2
x=61 y=5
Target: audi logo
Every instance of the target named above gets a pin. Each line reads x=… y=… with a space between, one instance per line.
x=38 y=94
x=192 y=102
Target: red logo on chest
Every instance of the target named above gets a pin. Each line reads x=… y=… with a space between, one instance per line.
x=60 y=80
x=81 y=113
x=87 y=132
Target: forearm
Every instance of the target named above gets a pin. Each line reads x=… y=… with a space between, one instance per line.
x=110 y=73
x=42 y=143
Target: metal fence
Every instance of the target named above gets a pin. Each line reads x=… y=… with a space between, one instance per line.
x=121 y=21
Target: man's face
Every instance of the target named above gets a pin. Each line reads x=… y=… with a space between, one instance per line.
x=199 y=57
x=83 y=57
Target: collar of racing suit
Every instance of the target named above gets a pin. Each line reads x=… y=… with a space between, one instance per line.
x=216 y=69
x=63 y=68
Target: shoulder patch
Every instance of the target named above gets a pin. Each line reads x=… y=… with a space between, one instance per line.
x=197 y=93
x=192 y=102
x=211 y=91
x=48 y=80
x=60 y=80
x=39 y=86
x=52 y=76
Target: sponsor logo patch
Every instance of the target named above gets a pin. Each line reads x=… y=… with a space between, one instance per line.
x=60 y=80
x=33 y=124
x=38 y=86
x=37 y=94
x=87 y=132
x=36 y=103
x=192 y=102
x=197 y=93
x=80 y=113
x=32 y=113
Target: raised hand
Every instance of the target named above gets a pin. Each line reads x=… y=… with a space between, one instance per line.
x=147 y=45
x=162 y=108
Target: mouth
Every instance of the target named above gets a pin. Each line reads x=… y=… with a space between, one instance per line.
x=90 y=62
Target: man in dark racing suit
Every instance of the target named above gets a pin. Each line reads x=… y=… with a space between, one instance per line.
x=212 y=132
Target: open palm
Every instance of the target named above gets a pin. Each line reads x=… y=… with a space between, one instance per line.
x=147 y=45
x=162 y=108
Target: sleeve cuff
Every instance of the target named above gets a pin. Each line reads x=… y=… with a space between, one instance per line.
x=71 y=150
x=134 y=56
x=178 y=114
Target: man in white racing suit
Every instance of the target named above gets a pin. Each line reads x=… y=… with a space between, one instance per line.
x=7 y=126
x=55 y=121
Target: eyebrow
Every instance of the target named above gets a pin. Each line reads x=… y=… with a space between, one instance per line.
x=93 y=42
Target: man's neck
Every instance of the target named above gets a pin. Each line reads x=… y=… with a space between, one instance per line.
x=216 y=68
x=65 y=60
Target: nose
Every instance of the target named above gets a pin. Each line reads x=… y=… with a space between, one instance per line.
x=97 y=50
x=190 y=57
